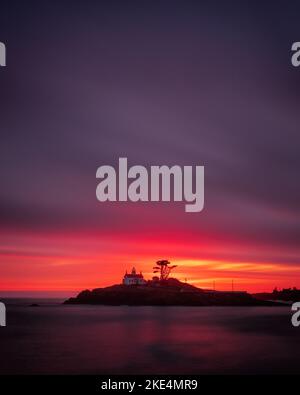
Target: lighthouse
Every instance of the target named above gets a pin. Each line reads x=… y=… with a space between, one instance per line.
x=133 y=278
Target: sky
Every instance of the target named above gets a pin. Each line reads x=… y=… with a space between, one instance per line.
x=161 y=83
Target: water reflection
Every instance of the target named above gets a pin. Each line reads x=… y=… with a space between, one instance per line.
x=101 y=339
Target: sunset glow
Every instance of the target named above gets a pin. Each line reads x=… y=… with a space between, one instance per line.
x=78 y=261
x=158 y=97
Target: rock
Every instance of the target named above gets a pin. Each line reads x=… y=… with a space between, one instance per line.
x=171 y=292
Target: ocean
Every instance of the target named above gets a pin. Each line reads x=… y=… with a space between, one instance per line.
x=78 y=339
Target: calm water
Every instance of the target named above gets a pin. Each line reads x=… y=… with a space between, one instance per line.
x=54 y=338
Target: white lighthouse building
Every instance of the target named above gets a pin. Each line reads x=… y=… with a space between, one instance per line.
x=133 y=278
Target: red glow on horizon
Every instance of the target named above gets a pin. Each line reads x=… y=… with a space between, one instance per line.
x=48 y=262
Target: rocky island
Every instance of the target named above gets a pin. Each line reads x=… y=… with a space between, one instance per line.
x=169 y=292
x=162 y=291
